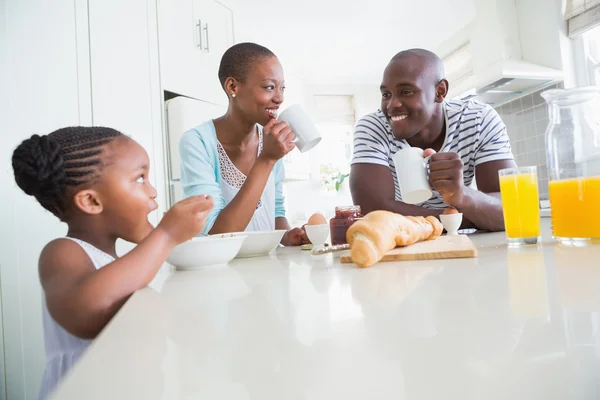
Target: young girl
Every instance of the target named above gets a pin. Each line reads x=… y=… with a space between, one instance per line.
x=236 y=158
x=95 y=180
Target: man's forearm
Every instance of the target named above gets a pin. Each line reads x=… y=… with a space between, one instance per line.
x=484 y=210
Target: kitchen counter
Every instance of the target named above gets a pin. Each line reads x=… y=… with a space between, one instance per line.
x=510 y=324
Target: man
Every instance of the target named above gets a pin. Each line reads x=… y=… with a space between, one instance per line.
x=467 y=139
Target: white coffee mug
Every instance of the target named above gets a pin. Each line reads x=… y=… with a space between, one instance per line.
x=412 y=174
x=307 y=135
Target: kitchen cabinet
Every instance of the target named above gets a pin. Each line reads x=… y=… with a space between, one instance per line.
x=133 y=41
x=126 y=93
x=193 y=35
x=45 y=81
x=183 y=114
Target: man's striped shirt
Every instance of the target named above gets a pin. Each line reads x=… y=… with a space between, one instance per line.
x=473 y=130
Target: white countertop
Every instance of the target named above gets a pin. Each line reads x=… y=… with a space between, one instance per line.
x=506 y=325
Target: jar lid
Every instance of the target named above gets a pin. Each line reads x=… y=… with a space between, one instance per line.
x=347 y=208
x=344 y=209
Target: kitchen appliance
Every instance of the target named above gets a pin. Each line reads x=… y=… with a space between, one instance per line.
x=183 y=114
x=509 y=50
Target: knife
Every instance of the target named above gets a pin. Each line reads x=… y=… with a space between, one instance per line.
x=329 y=249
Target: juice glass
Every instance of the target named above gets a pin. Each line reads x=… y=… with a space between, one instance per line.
x=575 y=210
x=520 y=204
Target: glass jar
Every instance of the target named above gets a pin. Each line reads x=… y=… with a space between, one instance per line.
x=339 y=224
x=573 y=156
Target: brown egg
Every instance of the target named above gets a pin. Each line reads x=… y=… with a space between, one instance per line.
x=450 y=211
x=316 y=219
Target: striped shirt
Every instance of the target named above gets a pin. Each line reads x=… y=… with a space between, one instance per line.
x=473 y=130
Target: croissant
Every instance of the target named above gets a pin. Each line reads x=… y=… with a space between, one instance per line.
x=380 y=231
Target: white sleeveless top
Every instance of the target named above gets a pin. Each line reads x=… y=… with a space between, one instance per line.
x=233 y=179
x=63 y=349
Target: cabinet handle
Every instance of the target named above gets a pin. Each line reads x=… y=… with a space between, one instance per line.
x=207 y=41
x=199 y=26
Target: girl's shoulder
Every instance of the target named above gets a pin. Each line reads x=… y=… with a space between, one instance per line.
x=63 y=256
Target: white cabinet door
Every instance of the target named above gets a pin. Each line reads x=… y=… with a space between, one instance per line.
x=44 y=87
x=124 y=64
x=180 y=47
x=217 y=37
x=126 y=94
x=193 y=35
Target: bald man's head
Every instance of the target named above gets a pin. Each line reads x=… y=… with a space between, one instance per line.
x=430 y=63
x=412 y=92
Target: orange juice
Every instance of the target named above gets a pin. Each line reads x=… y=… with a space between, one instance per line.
x=520 y=203
x=575 y=205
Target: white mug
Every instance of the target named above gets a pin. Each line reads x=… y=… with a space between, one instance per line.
x=307 y=135
x=412 y=174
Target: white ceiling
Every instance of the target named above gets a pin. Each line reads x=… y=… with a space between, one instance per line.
x=346 y=41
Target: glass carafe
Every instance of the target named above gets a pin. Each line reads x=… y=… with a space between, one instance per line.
x=573 y=156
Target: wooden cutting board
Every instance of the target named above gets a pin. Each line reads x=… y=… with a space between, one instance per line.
x=459 y=246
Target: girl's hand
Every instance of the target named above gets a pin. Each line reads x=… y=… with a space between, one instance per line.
x=186 y=218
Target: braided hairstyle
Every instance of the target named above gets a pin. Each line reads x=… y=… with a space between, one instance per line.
x=238 y=59
x=47 y=166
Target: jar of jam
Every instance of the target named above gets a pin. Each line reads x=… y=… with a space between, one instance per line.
x=339 y=224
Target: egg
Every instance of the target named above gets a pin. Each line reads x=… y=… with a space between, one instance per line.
x=316 y=219
x=450 y=211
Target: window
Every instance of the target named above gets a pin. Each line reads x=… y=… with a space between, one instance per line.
x=591 y=48
x=334 y=153
x=329 y=162
x=335 y=119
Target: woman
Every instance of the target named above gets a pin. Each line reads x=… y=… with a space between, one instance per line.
x=237 y=158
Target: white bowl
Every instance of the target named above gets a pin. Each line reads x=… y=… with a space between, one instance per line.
x=206 y=251
x=451 y=222
x=259 y=243
x=317 y=234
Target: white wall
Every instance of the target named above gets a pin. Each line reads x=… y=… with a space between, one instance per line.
x=347 y=42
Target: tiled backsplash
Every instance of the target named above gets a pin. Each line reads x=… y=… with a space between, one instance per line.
x=526 y=121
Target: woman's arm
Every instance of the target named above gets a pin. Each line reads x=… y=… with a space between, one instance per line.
x=293 y=237
x=235 y=216
x=198 y=174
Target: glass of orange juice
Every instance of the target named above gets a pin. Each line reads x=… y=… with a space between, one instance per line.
x=575 y=210
x=521 y=205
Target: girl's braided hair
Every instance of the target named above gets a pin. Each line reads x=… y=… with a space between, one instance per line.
x=45 y=166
